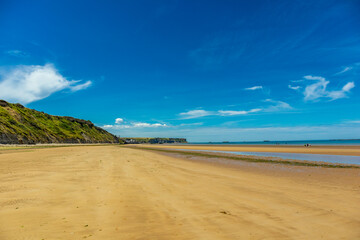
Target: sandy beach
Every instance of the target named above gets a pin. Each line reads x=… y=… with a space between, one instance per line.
x=332 y=150
x=113 y=192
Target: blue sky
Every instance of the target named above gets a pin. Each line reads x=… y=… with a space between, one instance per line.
x=204 y=70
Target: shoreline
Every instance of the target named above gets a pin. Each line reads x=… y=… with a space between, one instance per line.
x=249 y=159
x=300 y=172
x=346 y=150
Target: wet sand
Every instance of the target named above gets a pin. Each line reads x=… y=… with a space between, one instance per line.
x=328 y=149
x=112 y=192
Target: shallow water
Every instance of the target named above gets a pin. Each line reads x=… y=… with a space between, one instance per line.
x=342 y=159
x=299 y=142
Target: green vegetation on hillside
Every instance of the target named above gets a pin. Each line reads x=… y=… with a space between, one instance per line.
x=20 y=125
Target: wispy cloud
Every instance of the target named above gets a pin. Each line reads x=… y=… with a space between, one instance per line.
x=75 y=88
x=343 y=92
x=319 y=90
x=274 y=106
x=141 y=124
x=17 y=53
x=120 y=123
x=26 y=84
x=234 y=113
x=195 y=114
x=254 y=88
x=294 y=87
x=346 y=69
x=297 y=81
x=135 y=125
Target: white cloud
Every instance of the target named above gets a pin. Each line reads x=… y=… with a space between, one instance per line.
x=80 y=86
x=346 y=69
x=195 y=114
x=348 y=86
x=294 y=87
x=318 y=89
x=119 y=120
x=254 y=88
x=277 y=106
x=140 y=124
x=31 y=83
x=135 y=125
x=234 y=113
x=120 y=123
x=341 y=93
x=297 y=81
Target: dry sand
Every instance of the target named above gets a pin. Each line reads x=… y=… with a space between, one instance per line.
x=111 y=192
x=332 y=150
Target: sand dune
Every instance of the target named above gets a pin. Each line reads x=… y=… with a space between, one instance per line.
x=110 y=192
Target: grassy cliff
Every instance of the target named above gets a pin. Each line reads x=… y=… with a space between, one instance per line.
x=20 y=125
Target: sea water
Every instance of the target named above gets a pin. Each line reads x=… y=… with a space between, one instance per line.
x=340 y=159
x=297 y=142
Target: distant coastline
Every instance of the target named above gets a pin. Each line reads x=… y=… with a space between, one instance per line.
x=291 y=142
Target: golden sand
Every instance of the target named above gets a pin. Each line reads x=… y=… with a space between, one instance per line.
x=111 y=192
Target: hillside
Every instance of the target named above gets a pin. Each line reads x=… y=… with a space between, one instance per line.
x=21 y=125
